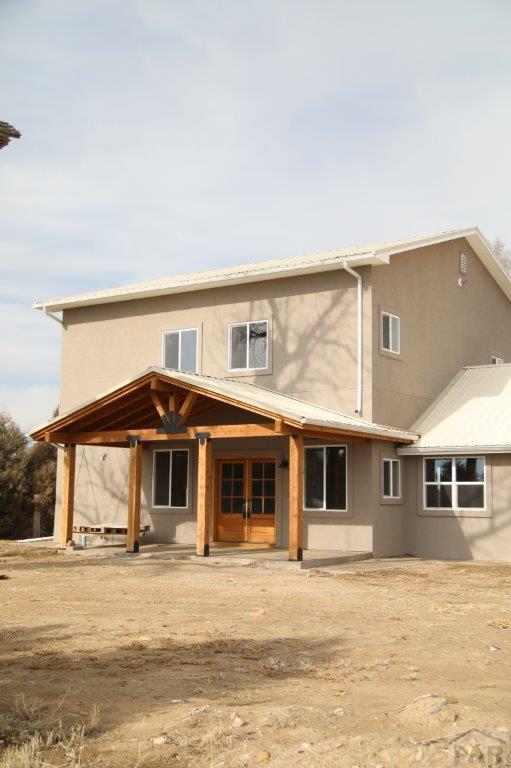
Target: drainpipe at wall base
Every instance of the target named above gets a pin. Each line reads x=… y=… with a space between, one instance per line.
x=358 y=278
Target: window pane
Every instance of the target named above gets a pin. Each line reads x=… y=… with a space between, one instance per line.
x=385 y=322
x=269 y=487
x=269 y=469
x=226 y=470
x=172 y=350
x=269 y=506
x=238 y=470
x=237 y=487
x=161 y=478
x=386 y=478
x=396 y=479
x=257 y=506
x=257 y=470
x=189 y=351
x=179 y=482
x=439 y=496
x=471 y=496
x=395 y=333
x=226 y=505
x=470 y=470
x=438 y=470
x=237 y=506
x=336 y=478
x=258 y=340
x=239 y=346
x=314 y=478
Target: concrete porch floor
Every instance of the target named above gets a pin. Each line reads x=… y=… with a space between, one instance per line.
x=235 y=555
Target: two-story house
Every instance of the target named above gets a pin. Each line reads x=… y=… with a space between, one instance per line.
x=290 y=402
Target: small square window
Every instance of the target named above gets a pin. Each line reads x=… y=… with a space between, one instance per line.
x=248 y=346
x=494 y=360
x=180 y=350
x=390 y=333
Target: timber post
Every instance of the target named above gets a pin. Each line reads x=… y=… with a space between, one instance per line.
x=134 y=488
x=204 y=493
x=68 y=496
x=295 y=497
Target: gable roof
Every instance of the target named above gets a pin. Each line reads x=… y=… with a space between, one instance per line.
x=242 y=394
x=374 y=254
x=471 y=415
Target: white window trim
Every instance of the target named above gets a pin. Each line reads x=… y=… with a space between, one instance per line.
x=247 y=324
x=391 y=316
x=393 y=496
x=179 y=331
x=496 y=360
x=324 y=507
x=454 y=486
x=169 y=505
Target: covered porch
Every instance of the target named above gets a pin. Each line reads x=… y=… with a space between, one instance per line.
x=235 y=496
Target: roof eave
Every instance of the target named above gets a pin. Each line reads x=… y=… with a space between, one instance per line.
x=457 y=450
x=115 y=296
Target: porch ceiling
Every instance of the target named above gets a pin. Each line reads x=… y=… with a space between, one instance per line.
x=162 y=404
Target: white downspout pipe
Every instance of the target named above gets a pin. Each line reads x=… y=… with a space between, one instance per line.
x=358 y=278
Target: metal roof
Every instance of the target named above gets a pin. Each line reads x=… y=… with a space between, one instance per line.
x=252 y=395
x=471 y=415
x=375 y=254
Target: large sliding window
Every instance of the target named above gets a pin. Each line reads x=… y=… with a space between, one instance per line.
x=325 y=471
x=170 y=478
x=248 y=346
x=455 y=482
x=180 y=350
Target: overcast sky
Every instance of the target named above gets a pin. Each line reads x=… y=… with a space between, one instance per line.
x=163 y=136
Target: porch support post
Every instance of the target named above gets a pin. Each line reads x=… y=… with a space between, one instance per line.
x=68 y=496
x=204 y=493
x=295 y=496
x=134 y=487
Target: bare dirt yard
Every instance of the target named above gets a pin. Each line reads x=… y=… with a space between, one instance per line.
x=133 y=661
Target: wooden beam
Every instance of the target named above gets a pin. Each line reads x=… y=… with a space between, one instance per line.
x=151 y=435
x=68 y=496
x=204 y=496
x=134 y=487
x=295 y=497
x=159 y=404
x=187 y=406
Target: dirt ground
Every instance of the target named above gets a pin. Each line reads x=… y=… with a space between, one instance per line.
x=126 y=661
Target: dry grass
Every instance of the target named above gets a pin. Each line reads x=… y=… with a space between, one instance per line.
x=33 y=735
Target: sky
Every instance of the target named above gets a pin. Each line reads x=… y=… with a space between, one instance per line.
x=164 y=136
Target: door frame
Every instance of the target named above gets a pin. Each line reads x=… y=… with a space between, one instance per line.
x=237 y=455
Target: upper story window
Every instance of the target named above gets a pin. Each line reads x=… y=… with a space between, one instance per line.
x=391 y=469
x=180 y=350
x=325 y=477
x=454 y=482
x=248 y=346
x=390 y=333
x=494 y=360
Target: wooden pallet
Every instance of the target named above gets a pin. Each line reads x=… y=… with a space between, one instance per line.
x=107 y=530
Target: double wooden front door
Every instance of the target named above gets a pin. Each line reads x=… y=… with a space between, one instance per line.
x=246 y=500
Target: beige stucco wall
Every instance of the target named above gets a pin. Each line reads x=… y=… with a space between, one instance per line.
x=312 y=324
x=443 y=327
x=486 y=536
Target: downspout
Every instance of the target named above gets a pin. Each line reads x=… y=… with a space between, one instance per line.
x=358 y=278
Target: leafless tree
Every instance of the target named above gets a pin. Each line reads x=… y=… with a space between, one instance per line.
x=503 y=253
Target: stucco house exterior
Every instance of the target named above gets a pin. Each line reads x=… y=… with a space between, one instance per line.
x=289 y=403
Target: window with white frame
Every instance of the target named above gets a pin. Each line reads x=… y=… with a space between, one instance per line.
x=494 y=360
x=248 y=346
x=325 y=477
x=391 y=471
x=170 y=478
x=390 y=333
x=180 y=350
x=456 y=482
